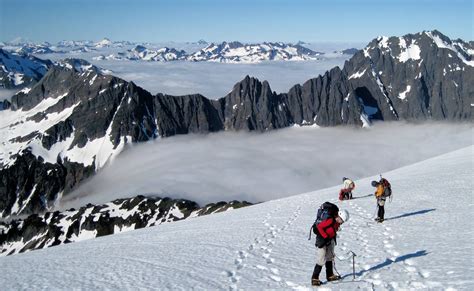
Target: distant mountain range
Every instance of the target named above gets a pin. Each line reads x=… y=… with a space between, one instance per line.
x=64 y=46
x=235 y=52
x=69 y=124
x=142 y=53
x=226 y=52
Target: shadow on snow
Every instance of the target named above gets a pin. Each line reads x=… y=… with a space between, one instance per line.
x=412 y=213
x=388 y=262
x=358 y=197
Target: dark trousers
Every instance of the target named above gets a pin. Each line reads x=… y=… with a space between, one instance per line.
x=381 y=212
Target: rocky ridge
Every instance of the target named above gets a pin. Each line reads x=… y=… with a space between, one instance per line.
x=90 y=221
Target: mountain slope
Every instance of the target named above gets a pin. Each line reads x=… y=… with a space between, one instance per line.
x=54 y=136
x=90 y=221
x=265 y=246
x=77 y=118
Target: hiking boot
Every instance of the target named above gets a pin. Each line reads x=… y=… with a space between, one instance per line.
x=329 y=269
x=316 y=272
x=315 y=282
x=334 y=278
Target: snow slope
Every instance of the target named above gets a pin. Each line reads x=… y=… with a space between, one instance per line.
x=425 y=243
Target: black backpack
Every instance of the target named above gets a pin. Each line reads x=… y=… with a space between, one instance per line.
x=387 y=187
x=325 y=211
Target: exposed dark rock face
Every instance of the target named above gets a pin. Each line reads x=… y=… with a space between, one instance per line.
x=56 y=228
x=415 y=77
x=186 y=114
x=79 y=118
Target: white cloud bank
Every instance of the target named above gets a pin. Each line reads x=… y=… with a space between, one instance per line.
x=213 y=80
x=258 y=167
x=6 y=94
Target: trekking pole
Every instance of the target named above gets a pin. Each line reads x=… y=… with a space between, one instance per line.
x=376 y=208
x=353 y=265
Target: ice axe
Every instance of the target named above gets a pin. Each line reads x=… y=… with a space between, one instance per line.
x=353 y=265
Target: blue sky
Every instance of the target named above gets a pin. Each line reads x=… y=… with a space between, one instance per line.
x=244 y=20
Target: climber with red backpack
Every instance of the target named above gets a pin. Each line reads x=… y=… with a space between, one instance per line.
x=382 y=192
x=347 y=186
x=328 y=220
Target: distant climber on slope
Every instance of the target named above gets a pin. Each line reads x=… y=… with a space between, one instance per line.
x=347 y=186
x=327 y=223
x=382 y=192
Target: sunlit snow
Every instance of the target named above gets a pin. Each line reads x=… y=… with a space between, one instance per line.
x=266 y=246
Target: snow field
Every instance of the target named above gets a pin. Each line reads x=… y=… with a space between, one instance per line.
x=425 y=243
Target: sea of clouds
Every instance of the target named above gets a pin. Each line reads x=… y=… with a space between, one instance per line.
x=263 y=166
x=213 y=80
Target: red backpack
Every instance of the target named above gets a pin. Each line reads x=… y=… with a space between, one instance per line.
x=326 y=210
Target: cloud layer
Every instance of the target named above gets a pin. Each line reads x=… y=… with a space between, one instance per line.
x=259 y=167
x=214 y=80
x=6 y=94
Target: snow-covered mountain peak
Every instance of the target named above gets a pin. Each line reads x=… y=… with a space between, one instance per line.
x=235 y=52
x=18 y=70
x=231 y=45
x=412 y=46
x=140 y=52
x=81 y=66
x=139 y=48
x=43 y=48
x=464 y=50
x=225 y=52
x=74 y=43
x=105 y=42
